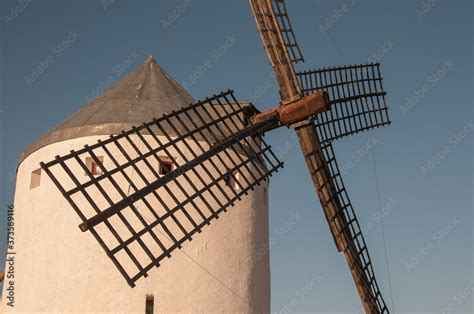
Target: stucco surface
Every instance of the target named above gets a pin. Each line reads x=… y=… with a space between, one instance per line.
x=61 y=269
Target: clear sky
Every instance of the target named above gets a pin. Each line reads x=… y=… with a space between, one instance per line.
x=55 y=54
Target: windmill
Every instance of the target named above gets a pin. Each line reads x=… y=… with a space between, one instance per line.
x=164 y=181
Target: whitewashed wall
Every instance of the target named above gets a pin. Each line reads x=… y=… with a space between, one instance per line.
x=58 y=268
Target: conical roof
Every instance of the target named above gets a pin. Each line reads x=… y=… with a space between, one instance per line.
x=145 y=93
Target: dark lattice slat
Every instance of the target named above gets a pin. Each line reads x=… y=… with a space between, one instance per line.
x=284 y=24
x=281 y=26
x=140 y=216
x=351 y=227
x=357 y=97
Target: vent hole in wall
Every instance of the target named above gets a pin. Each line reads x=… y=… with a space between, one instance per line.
x=166 y=165
x=35 y=178
x=93 y=167
x=232 y=181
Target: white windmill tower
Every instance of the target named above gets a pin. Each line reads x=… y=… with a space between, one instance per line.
x=60 y=269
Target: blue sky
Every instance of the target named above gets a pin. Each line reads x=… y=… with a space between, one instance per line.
x=55 y=54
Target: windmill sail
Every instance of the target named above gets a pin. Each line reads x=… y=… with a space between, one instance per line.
x=350 y=228
x=214 y=160
x=282 y=50
x=356 y=95
x=341 y=218
x=284 y=25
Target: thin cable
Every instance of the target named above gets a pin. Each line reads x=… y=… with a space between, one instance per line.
x=383 y=231
x=208 y=272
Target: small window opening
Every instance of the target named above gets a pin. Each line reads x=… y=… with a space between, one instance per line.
x=35 y=178
x=149 y=304
x=166 y=165
x=93 y=167
x=231 y=181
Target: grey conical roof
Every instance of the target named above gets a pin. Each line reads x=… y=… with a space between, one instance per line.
x=145 y=93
